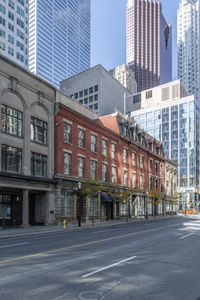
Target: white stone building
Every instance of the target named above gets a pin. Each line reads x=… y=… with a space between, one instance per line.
x=126 y=77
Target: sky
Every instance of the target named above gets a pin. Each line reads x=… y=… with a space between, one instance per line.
x=108 y=31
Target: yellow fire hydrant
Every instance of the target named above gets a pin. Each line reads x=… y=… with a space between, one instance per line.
x=65 y=224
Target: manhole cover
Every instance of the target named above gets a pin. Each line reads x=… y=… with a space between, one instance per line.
x=90 y=295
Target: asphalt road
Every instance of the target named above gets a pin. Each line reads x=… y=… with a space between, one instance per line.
x=149 y=261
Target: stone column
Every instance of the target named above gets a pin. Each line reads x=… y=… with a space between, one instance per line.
x=50 y=208
x=25 y=209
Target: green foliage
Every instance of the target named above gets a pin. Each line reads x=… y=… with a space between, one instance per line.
x=91 y=187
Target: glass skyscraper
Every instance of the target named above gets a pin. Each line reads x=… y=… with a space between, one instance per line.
x=59 y=38
x=174 y=119
x=14 y=30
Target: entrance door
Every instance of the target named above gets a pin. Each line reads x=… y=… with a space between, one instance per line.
x=109 y=210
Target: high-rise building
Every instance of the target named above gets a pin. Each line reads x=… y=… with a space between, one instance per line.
x=14 y=30
x=168 y=114
x=98 y=90
x=148 y=43
x=59 y=40
x=126 y=77
x=188 y=43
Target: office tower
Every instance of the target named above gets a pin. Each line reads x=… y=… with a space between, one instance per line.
x=98 y=90
x=148 y=43
x=14 y=30
x=59 y=41
x=173 y=117
x=188 y=39
x=126 y=77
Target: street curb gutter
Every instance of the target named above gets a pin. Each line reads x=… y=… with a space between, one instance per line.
x=82 y=228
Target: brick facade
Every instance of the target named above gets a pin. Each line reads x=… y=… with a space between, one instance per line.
x=108 y=129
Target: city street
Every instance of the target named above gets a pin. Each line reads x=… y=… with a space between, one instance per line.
x=151 y=260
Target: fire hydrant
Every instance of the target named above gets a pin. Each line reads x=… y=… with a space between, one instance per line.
x=65 y=224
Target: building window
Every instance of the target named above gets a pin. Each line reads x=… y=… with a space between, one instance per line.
x=141 y=162
x=104 y=147
x=90 y=99
x=11 y=39
x=133 y=180
x=133 y=159
x=96 y=88
x=11 y=121
x=157 y=184
x=2 y=9
x=93 y=169
x=92 y=209
x=151 y=165
x=93 y=143
x=91 y=90
x=38 y=131
x=104 y=172
x=10 y=26
x=11 y=159
x=81 y=138
x=2 y=45
x=3 y=22
x=2 y=33
x=149 y=94
x=157 y=167
x=165 y=93
x=81 y=94
x=113 y=151
x=125 y=156
x=125 y=177
x=67 y=133
x=96 y=97
x=76 y=96
x=114 y=174
x=150 y=183
x=67 y=207
x=96 y=106
x=86 y=101
x=11 y=4
x=81 y=166
x=85 y=92
x=11 y=15
x=10 y=51
x=38 y=165
x=67 y=163
x=142 y=181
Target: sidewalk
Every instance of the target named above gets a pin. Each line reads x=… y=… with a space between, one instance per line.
x=38 y=230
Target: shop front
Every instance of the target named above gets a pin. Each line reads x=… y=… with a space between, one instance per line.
x=10 y=209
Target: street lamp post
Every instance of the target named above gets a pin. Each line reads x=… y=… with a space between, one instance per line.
x=78 y=204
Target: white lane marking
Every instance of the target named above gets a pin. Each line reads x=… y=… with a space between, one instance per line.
x=185 y=236
x=100 y=231
x=108 y=267
x=62 y=296
x=13 y=245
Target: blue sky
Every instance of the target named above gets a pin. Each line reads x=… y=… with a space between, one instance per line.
x=108 y=31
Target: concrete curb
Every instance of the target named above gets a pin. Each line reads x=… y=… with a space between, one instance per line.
x=106 y=225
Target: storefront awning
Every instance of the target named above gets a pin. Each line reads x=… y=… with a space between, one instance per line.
x=108 y=198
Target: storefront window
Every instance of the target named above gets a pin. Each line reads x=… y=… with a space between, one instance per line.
x=11 y=159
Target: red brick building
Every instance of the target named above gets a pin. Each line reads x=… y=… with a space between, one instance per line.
x=126 y=165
